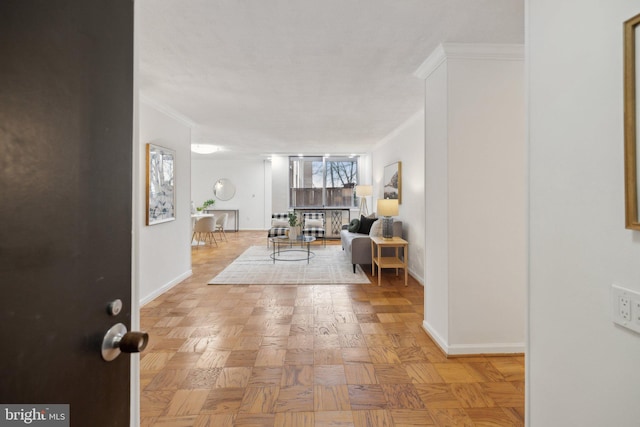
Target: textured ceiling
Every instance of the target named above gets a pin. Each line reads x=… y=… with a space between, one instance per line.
x=302 y=76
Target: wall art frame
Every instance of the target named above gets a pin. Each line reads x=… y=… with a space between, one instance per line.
x=631 y=119
x=161 y=186
x=392 y=181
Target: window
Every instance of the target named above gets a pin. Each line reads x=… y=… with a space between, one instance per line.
x=322 y=182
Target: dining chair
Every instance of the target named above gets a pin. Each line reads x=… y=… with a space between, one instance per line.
x=205 y=226
x=221 y=225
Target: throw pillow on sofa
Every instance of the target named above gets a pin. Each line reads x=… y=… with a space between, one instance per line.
x=354 y=225
x=376 y=229
x=365 y=224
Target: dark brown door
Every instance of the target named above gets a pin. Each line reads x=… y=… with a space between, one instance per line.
x=66 y=114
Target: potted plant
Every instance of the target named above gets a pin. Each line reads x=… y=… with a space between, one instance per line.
x=293 y=225
x=208 y=203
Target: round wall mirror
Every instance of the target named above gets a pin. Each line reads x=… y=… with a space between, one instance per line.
x=224 y=189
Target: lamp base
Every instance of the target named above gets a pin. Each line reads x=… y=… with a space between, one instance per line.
x=387 y=227
x=363 y=207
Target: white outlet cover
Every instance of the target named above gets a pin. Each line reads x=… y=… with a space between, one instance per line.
x=624 y=307
x=620 y=294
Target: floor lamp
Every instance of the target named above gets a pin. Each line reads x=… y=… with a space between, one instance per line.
x=363 y=191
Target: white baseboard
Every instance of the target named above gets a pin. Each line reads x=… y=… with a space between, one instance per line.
x=472 y=349
x=441 y=342
x=418 y=278
x=165 y=288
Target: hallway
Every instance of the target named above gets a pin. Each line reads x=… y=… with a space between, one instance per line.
x=314 y=355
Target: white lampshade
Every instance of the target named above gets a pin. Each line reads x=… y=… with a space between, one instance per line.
x=388 y=207
x=364 y=190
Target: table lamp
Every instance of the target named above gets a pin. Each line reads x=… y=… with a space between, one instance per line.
x=363 y=191
x=387 y=208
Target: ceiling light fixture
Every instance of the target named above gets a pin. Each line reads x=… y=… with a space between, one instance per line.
x=204 y=148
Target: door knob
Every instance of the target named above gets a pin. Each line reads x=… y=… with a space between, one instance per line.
x=117 y=340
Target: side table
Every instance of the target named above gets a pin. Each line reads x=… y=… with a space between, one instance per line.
x=377 y=244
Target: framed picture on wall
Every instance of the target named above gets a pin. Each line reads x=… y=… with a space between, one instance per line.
x=631 y=120
x=161 y=186
x=392 y=181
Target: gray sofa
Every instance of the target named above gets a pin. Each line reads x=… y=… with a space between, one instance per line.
x=358 y=246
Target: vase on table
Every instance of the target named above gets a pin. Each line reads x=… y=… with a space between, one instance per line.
x=293 y=233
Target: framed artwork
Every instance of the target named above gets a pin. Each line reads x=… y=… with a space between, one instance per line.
x=392 y=181
x=631 y=120
x=161 y=186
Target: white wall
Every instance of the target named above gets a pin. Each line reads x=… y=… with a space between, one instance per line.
x=487 y=205
x=582 y=369
x=164 y=249
x=475 y=198
x=405 y=144
x=436 y=301
x=251 y=187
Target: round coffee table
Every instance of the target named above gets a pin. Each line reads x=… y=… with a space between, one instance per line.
x=280 y=254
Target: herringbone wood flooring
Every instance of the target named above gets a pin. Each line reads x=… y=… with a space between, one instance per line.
x=323 y=355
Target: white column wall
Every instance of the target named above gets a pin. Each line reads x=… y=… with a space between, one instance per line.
x=583 y=370
x=475 y=199
x=487 y=204
x=280 y=184
x=436 y=288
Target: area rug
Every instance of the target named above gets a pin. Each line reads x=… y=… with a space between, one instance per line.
x=330 y=265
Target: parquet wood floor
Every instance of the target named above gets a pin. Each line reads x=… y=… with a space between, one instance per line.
x=310 y=355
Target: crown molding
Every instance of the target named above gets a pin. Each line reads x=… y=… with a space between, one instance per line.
x=433 y=61
x=163 y=108
x=395 y=132
x=470 y=51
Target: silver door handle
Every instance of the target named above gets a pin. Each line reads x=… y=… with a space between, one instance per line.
x=117 y=340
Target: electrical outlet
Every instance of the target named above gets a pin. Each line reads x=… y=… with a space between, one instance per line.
x=626 y=307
